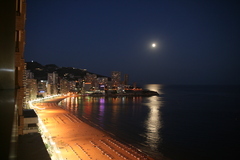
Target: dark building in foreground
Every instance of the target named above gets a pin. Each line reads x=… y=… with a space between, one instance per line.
x=12 y=84
x=9 y=86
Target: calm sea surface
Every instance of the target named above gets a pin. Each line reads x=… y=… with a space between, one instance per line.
x=182 y=123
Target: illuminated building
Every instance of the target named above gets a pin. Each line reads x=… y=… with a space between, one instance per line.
x=72 y=85
x=31 y=89
x=116 y=78
x=91 y=78
x=87 y=86
x=64 y=86
x=102 y=82
x=52 y=78
x=29 y=74
x=42 y=88
x=52 y=83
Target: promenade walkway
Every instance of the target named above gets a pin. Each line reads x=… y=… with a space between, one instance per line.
x=71 y=139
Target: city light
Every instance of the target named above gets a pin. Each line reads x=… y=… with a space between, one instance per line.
x=46 y=136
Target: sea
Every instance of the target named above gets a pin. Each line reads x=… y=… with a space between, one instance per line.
x=184 y=122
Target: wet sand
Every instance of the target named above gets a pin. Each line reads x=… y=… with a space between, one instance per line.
x=78 y=140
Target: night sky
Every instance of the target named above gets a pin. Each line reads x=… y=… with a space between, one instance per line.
x=197 y=41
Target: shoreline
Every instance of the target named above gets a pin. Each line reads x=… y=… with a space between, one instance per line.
x=77 y=139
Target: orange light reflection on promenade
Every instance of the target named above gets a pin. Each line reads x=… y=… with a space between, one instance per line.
x=67 y=137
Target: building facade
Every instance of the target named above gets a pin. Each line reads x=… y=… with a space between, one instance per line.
x=52 y=83
x=116 y=78
x=42 y=88
x=12 y=42
x=19 y=58
x=64 y=86
x=30 y=121
x=31 y=89
x=29 y=74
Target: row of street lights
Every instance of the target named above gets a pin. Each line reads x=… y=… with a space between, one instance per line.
x=52 y=148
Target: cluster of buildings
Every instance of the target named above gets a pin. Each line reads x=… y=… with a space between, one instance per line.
x=55 y=84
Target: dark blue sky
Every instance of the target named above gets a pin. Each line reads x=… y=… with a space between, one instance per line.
x=197 y=41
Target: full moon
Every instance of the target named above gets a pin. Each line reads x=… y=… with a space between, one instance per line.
x=153 y=45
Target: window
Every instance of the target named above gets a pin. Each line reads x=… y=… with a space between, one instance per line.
x=17 y=40
x=18 y=7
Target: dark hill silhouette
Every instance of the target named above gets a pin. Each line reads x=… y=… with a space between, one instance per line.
x=40 y=71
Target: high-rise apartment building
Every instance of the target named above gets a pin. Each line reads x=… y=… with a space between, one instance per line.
x=91 y=78
x=29 y=74
x=19 y=58
x=64 y=86
x=53 y=78
x=52 y=84
x=31 y=89
x=42 y=88
x=12 y=41
x=116 y=78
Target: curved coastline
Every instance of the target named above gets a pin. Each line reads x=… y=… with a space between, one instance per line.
x=79 y=139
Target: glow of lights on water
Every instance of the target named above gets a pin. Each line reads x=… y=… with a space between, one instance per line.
x=155 y=88
x=153 y=122
x=102 y=100
x=123 y=100
x=101 y=112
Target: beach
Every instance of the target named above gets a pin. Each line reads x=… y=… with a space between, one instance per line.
x=69 y=138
